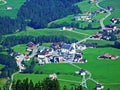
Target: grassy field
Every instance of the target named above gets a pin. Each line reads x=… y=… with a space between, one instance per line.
x=54 y=32
x=116 y=9
x=100 y=42
x=104 y=71
x=12 y=13
x=85 y=6
x=21 y=48
x=46 y=44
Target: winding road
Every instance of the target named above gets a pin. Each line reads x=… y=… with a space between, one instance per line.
x=102 y=20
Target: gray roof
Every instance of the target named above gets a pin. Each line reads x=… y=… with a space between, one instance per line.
x=66 y=46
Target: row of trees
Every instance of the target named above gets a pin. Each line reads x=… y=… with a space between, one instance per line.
x=38 y=13
x=117 y=44
x=46 y=84
x=14 y=40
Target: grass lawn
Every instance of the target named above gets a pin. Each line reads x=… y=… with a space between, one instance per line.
x=67 y=19
x=104 y=71
x=85 y=6
x=61 y=68
x=12 y=13
x=89 y=32
x=51 y=32
x=46 y=44
x=100 y=42
x=21 y=48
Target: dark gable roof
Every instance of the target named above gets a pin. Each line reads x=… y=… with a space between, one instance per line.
x=66 y=46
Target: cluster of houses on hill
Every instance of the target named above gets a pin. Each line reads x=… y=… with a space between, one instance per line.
x=58 y=53
x=108 y=56
x=108 y=33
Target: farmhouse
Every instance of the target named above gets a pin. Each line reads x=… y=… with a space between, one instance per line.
x=30 y=46
x=82 y=72
x=67 y=28
x=99 y=87
x=92 y=1
x=9 y=7
x=97 y=35
x=108 y=56
x=53 y=76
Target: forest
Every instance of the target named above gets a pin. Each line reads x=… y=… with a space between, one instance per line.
x=38 y=13
x=8 y=25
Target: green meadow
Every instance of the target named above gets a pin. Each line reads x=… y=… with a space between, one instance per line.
x=85 y=6
x=54 y=32
x=21 y=48
x=14 y=4
x=100 y=42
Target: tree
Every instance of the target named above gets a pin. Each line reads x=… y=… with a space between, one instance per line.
x=31 y=85
x=117 y=44
x=65 y=87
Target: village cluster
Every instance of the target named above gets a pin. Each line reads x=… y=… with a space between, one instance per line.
x=58 y=53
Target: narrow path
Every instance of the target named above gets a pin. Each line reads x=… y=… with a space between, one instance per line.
x=80 y=33
x=69 y=81
x=90 y=75
x=103 y=19
x=12 y=78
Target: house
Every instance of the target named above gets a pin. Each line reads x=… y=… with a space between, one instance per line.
x=30 y=46
x=57 y=45
x=67 y=28
x=27 y=58
x=82 y=72
x=83 y=60
x=65 y=48
x=101 y=11
x=9 y=7
x=97 y=35
x=92 y=1
x=53 y=76
x=108 y=29
x=114 y=56
x=77 y=18
x=99 y=86
x=84 y=18
x=108 y=56
x=105 y=56
x=86 y=12
x=109 y=8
